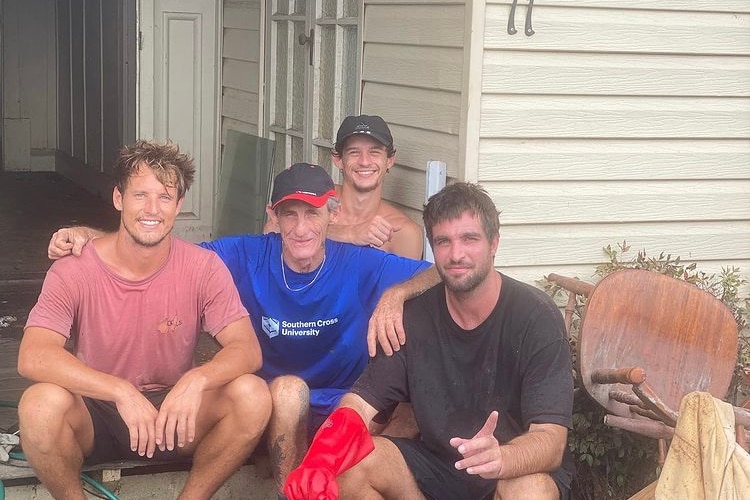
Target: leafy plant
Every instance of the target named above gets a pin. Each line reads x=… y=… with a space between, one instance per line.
x=612 y=463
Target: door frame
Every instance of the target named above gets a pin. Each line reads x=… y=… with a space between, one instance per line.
x=153 y=121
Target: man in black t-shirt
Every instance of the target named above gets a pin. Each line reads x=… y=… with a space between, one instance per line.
x=487 y=369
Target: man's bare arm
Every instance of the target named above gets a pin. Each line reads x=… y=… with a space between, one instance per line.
x=386 y=324
x=240 y=354
x=42 y=358
x=536 y=451
x=70 y=240
x=376 y=232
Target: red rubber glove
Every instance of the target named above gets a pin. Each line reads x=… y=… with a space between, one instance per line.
x=341 y=443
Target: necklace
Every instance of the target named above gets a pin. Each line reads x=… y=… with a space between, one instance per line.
x=283 y=275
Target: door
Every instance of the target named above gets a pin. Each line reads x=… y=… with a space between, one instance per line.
x=313 y=74
x=178 y=94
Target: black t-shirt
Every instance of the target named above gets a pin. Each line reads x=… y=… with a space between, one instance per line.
x=517 y=362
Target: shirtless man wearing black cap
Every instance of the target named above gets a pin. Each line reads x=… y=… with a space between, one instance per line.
x=364 y=153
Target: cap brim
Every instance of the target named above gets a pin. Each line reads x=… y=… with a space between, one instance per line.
x=378 y=137
x=315 y=201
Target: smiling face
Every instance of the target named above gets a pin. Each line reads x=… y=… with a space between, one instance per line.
x=303 y=231
x=147 y=208
x=464 y=256
x=363 y=162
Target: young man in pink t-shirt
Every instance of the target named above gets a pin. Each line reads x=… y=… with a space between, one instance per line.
x=133 y=307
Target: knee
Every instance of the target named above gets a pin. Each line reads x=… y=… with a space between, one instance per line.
x=289 y=391
x=538 y=486
x=373 y=461
x=353 y=481
x=42 y=409
x=249 y=394
x=43 y=401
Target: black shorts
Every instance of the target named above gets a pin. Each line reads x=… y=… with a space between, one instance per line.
x=314 y=420
x=111 y=436
x=438 y=479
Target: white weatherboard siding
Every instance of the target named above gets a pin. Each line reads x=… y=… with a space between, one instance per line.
x=412 y=76
x=241 y=67
x=617 y=121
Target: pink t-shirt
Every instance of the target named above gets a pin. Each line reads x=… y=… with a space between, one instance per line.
x=142 y=331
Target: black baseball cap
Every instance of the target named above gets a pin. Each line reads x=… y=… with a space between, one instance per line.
x=305 y=182
x=371 y=125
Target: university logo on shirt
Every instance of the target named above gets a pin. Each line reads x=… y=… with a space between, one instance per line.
x=270 y=326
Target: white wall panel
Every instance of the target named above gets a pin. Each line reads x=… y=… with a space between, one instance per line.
x=615 y=117
x=624 y=159
x=622 y=30
x=584 y=73
x=550 y=203
x=413 y=76
x=423 y=25
x=241 y=62
x=414 y=66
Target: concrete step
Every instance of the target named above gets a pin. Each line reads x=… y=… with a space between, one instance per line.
x=251 y=482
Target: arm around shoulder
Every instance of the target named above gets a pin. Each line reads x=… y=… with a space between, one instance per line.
x=70 y=240
x=386 y=325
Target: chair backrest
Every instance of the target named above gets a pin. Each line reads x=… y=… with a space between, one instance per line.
x=683 y=337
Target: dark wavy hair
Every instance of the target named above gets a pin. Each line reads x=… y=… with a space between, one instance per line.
x=172 y=168
x=455 y=199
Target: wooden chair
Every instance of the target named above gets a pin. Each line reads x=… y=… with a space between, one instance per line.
x=641 y=325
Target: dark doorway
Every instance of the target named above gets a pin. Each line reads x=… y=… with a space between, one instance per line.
x=32 y=207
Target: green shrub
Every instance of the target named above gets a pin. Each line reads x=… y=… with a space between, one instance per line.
x=612 y=463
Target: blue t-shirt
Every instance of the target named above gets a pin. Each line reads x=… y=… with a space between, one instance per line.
x=318 y=333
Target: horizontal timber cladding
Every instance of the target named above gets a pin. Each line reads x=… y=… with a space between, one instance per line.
x=614 y=121
x=615 y=117
x=240 y=70
x=618 y=201
x=598 y=159
x=412 y=75
x=587 y=73
x=705 y=241
x=410 y=24
x=431 y=109
x=621 y=28
x=241 y=44
x=414 y=66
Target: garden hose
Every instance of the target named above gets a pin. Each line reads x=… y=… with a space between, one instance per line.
x=19 y=455
x=5 y=404
x=98 y=487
